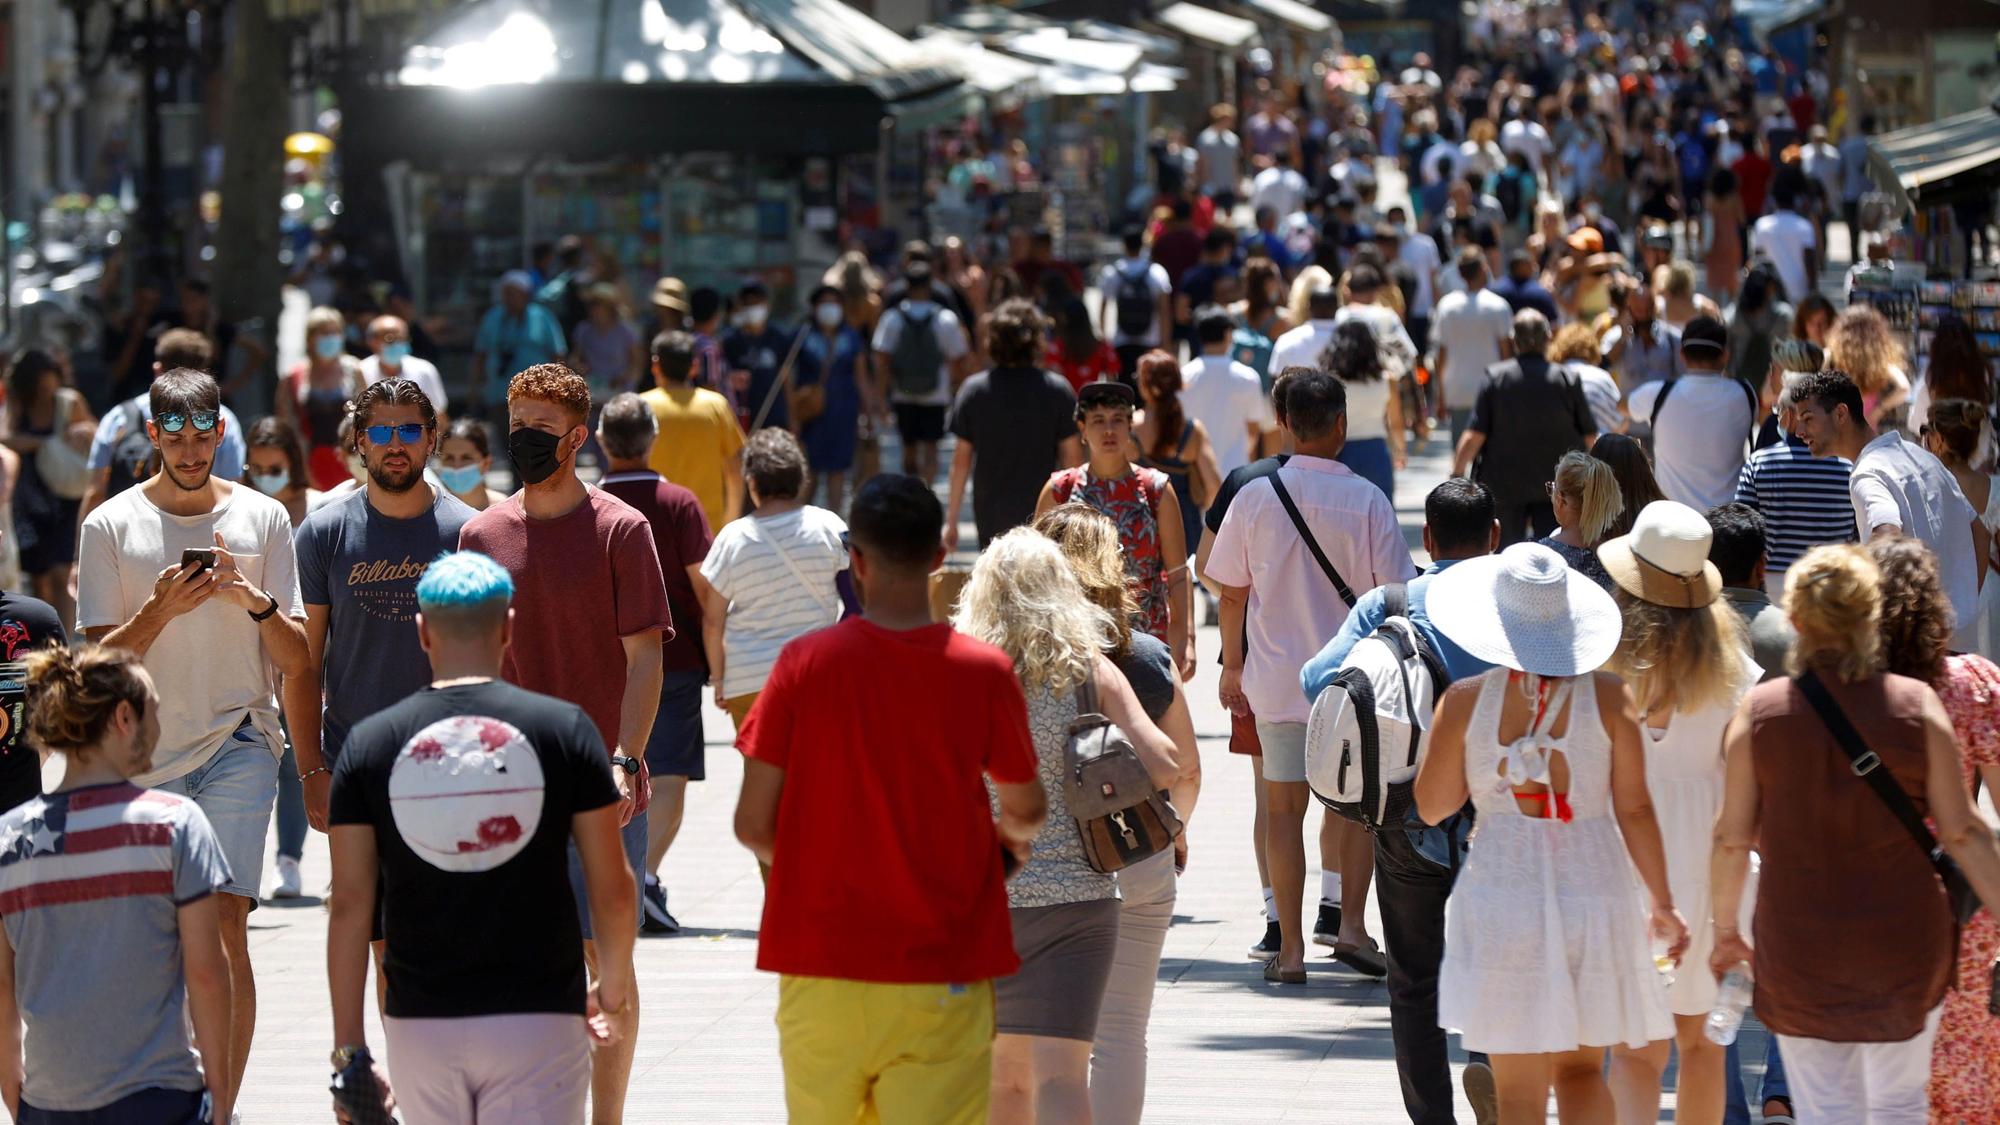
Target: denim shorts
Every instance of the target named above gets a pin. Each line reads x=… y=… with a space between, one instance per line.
x=236 y=790
x=634 y=836
x=675 y=748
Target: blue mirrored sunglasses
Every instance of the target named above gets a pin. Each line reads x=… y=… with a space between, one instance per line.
x=204 y=421
x=410 y=432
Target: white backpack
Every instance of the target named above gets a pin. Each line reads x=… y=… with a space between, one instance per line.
x=1369 y=726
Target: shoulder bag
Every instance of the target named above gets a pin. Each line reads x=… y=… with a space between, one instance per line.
x=832 y=605
x=1120 y=816
x=61 y=467
x=1299 y=521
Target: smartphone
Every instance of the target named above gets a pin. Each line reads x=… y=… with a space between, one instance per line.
x=202 y=558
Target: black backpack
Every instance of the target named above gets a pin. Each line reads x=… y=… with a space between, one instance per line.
x=913 y=365
x=1137 y=304
x=1507 y=191
x=131 y=450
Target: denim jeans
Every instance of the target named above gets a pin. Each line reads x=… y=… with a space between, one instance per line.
x=291 y=807
x=1735 y=1111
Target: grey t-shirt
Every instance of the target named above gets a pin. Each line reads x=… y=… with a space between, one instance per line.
x=364 y=566
x=1149 y=668
x=91 y=884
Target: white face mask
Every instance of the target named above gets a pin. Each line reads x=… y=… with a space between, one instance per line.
x=753 y=317
x=828 y=315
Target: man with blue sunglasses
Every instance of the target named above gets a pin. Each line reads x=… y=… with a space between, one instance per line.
x=121 y=455
x=195 y=573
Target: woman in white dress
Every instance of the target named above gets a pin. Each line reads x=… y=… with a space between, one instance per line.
x=1546 y=946
x=1684 y=657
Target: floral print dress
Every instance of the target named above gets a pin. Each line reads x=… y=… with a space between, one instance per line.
x=1133 y=503
x=1965 y=1062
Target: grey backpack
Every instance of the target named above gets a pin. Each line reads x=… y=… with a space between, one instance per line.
x=1119 y=814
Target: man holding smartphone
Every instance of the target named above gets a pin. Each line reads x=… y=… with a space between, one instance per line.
x=214 y=635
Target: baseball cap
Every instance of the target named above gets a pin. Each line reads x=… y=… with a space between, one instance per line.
x=1705 y=335
x=1108 y=392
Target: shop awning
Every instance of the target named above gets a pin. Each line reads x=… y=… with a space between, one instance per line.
x=993 y=73
x=1207 y=26
x=1301 y=16
x=1922 y=158
x=1056 y=45
x=1768 y=16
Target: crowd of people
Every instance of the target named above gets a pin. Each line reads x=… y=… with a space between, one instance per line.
x=1706 y=608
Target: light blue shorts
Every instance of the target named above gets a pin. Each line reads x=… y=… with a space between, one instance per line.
x=236 y=789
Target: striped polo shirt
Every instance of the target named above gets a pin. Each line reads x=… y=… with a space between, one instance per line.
x=1804 y=500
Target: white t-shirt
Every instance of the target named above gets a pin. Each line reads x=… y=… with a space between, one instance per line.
x=1107 y=286
x=769 y=605
x=422 y=372
x=1399 y=352
x=1698 y=446
x=1367 y=403
x=1223 y=150
x=1281 y=189
x=1785 y=236
x=951 y=345
x=1600 y=391
x=1227 y=397
x=1529 y=139
x=1420 y=253
x=1900 y=484
x=1470 y=328
x=209 y=664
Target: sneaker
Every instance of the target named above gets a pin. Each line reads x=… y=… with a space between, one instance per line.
x=1326 y=931
x=655 y=919
x=1480 y=1092
x=1267 y=950
x=288 y=878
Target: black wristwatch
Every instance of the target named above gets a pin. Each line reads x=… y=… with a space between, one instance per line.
x=265 y=615
x=627 y=763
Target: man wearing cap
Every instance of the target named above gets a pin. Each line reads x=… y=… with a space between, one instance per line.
x=1265 y=564
x=670 y=306
x=390 y=358
x=1700 y=420
x=515 y=334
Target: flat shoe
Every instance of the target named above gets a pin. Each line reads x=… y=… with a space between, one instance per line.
x=1276 y=975
x=1364 y=959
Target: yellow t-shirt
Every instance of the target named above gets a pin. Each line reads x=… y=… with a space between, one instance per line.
x=698 y=443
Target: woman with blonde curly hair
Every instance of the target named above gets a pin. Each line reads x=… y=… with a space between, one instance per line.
x=1862 y=344
x=1024 y=598
x=1679 y=301
x=1146 y=889
x=1683 y=654
x=1851 y=981
x=1588 y=502
x=1576 y=347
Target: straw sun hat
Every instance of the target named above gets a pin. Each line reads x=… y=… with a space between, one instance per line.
x=1524 y=608
x=1665 y=558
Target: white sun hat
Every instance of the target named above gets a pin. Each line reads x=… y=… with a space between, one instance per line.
x=1525 y=609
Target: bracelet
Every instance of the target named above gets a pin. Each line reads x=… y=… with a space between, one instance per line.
x=310 y=772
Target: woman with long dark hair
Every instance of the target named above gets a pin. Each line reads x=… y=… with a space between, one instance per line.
x=1374 y=409
x=1074 y=349
x=1760 y=317
x=42 y=408
x=1955 y=369
x=1174 y=443
x=1634 y=470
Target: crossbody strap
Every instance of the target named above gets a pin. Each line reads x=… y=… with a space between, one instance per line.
x=1659 y=400
x=1319 y=556
x=784 y=556
x=1867 y=764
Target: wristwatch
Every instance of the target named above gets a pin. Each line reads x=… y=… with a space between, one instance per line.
x=342 y=1056
x=267 y=611
x=627 y=763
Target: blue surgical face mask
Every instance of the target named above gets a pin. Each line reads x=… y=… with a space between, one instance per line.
x=396 y=352
x=461 y=479
x=328 y=347
x=270 y=484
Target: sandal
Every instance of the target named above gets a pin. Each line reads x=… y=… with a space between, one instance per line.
x=1276 y=975
x=1364 y=959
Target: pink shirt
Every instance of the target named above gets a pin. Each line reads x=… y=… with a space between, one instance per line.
x=1294 y=609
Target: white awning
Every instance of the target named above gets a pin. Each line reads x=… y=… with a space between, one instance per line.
x=1206 y=25
x=1053 y=44
x=1301 y=16
x=991 y=72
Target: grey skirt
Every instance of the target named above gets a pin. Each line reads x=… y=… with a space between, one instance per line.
x=1066 y=956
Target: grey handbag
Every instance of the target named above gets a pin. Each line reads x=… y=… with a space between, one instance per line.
x=1120 y=815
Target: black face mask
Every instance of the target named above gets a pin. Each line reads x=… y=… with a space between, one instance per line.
x=534 y=454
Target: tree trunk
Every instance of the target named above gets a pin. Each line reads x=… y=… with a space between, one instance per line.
x=248 y=278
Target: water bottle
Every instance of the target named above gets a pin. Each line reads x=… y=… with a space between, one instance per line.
x=1726 y=1018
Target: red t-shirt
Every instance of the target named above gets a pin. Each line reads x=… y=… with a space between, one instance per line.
x=1100 y=364
x=582 y=582
x=681 y=535
x=1753 y=178
x=887 y=866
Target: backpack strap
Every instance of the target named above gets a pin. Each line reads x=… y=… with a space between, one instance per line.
x=1395 y=600
x=1659 y=400
x=1086 y=694
x=1298 y=521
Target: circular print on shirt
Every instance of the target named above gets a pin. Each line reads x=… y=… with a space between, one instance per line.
x=467 y=793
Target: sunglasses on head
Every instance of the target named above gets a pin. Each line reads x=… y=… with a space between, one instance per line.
x=204 y=421
x=410 y=432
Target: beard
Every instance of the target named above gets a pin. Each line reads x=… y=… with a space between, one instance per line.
x=184 y=484
x=390 y=481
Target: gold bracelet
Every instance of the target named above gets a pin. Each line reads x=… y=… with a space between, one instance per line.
x=310 y=772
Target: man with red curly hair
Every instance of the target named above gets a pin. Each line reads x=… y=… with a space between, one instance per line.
x=589 y=617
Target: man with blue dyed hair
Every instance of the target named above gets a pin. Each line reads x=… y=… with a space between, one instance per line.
x=465 y=798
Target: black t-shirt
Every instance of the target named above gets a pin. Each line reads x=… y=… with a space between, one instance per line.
x=470 y=790
x=1015 y=418
x=26 y=624
x=1532 y=412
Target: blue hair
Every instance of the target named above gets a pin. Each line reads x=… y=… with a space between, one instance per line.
x=462 y=580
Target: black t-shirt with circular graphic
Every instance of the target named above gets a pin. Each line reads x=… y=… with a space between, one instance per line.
x=26 y=624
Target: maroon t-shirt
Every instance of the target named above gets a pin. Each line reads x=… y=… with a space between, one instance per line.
x=681 y=535
x=594 y=579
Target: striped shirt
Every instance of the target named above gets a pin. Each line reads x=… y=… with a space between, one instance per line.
x=778 y=574
x=1804 y=500
x=91 y=883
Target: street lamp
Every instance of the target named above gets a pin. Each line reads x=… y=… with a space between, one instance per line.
x=156 y=39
